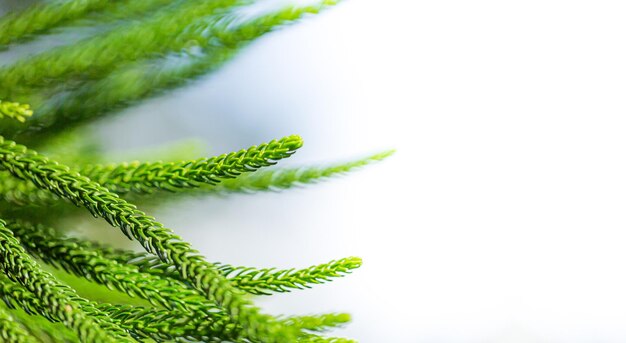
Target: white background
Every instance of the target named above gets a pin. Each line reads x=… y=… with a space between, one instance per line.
x=500 y=218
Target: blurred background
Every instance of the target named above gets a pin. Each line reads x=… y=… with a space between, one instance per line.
x=501 y=216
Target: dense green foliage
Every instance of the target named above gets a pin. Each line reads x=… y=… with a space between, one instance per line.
x=169 y=292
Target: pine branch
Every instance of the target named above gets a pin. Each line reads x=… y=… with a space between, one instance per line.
x=134 y=82
x=284 y=178
x=25 y=193
x=252 y=280
x=60 y=302
x=155 y=238
x=73 y=256
x=121 y=12
x=146 y=177
x=35 y=313
x=128 y=10
x=122 y=88
x=266 y=23
x=78 y=257
x=271 y=179
x=265 y=281
x=143 y=322
x=11 y=331
x=166 y=325
x=17 y=296
x=15 y=110
x=173 y=176
x=69 y=254
x=43 y=16
x=319 y=323
x=312 y=338
x=132 y=42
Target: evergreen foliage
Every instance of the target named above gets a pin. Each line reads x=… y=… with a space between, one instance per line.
x=142 y=48
x=11 y=330
x=14 y=110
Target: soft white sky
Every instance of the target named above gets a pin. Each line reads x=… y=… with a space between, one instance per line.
x=501 y=217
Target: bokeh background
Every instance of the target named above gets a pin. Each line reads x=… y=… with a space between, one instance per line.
x=501 y=216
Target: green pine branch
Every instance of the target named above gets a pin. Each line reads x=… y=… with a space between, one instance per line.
x=17 y=296
x=171 y=324
x=267 y=280
x=167 y=324
x=146 y=177
x=161 y=324
x=132 y=82
x=256 y=281
x=96 y=56
x=69 y=254
x=319 y=323
x=312 y=338
x=284 y=178
x=59 y=301
x=15 y=191
x=125 y=10
x=44 y=16
x=143 y=275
